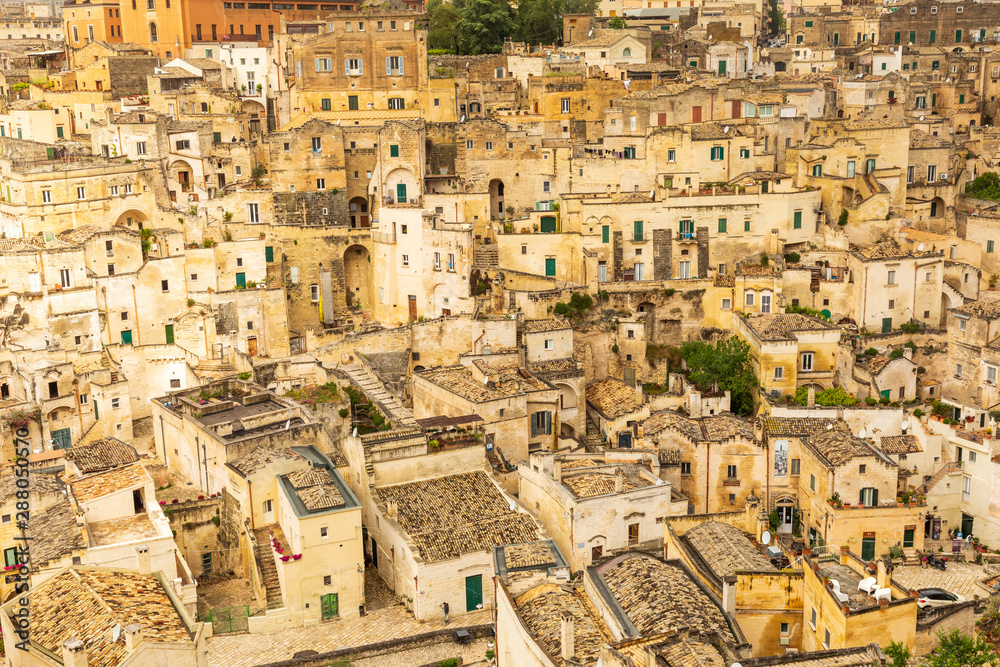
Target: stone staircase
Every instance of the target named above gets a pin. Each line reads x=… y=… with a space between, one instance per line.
x=265 y=564
x=592 y=441
x=910 y=556
x=487 y=256
x=214 y=368
x=398 y=414
x=947 y=469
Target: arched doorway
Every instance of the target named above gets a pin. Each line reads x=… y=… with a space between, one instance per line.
x=357 y=276
x=496 y=198
x=937 y=208
x=133 y=218
x=359 y=212
x=567 y=431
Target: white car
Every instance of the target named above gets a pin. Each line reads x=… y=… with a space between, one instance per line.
x=937 y=597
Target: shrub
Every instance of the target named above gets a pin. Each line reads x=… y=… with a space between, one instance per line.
x=984 y=186
x=578 y=304
x=896 y=354
x=910 y=328
x=190 y=303
x=871 y=352
x=343 y=413
x=940 y=409
x=842 y=220
x=870 y=401
x=918 y=413
x=764 y=259
x=793 y=258
x=911 y=345
x=245 y=375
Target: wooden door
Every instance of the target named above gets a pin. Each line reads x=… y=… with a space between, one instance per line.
x=413 y=306
x=252 y=347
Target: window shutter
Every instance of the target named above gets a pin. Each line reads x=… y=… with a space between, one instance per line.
x=361 y=66
x=318 y=64
x=388 y=66
x=347 y=66
x=548 y=423
x=722 y=153
x=401 y=65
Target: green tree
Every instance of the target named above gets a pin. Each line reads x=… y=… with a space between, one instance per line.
x=538 y=22
x=485 y=24
x=725 y=366
x=985 y=186
x=617 y=23
x=443 y=22
x=960 y=650
x=775 y=19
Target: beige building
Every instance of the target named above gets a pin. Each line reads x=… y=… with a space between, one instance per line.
x=789 y=350
x=894 y=286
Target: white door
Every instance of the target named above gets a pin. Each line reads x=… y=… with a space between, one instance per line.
x=685 y=270
x=765 y=303
x=639 y=273
x=602 y=274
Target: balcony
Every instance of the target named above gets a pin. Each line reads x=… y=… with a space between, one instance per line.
x=413 y=202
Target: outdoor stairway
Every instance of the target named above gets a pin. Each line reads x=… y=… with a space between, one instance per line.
x=214 y=368
x=266 y=567
x=593 y=441
x=486 y=256
x=398 y=414
x=946 y=469
x=910 y=556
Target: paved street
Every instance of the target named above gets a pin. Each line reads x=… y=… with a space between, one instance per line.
x=241 y=650
x=961 y=578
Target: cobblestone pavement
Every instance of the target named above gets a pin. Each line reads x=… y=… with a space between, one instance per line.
x=961 y=578
x=390 y=623
x=472 y=653
x=378 y=595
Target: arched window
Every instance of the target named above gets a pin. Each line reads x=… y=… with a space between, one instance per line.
x=498 y=73
x=627 y=53
x=152 y=32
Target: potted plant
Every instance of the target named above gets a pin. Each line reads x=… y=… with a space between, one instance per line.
x=296 y=556
x=285 y=559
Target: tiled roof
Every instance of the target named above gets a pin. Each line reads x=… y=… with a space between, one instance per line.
x=532 y=554
x=124 y=529
x=117 y=479
x=758 y=270
x=798 y=426
x=920 y=139
x=612 y=398
x=41 y=483
x=985 y=308
x=673 y=420
x=316 y=489
x=726 y=549
x=542 y=609
x=101 y=455
x=55 y=533
x=725 y=280
x=781 y=326
x=725 y=427
x=601 y=481
x=459 y=380
x=458 y=514
x=607 y=39
x=860 y=656
x=630 y=198
x=690 y=653
x=548 y=324
x=88 y=604
x=660 y=597
x=899 y=444
x=876 y=363
x=838 y=447
x=890 y=250
x=259 y=458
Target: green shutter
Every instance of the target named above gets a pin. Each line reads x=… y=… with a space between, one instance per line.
x=269 y=253
x=637 y=225
x=797 y=220
x=59 y=132
x=913 y=36
x=958 y=36
x=605 y=233
x=550 y=267
x=394 y=151
x=548 y=224
x=933 y=36
x=961 y=99
x=217 y=137
x=895 y=38
x=989 y=246
x=722 y=225
x=97 y=413
x=746 y=225
x=934 y=99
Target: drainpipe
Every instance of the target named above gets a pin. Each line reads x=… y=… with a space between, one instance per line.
x=135 y=304
x=476 y=342
x=79 y=413
x=197 y=459
x=163 y=437
x=250 y=493
x=204 y=451
x=708 y=458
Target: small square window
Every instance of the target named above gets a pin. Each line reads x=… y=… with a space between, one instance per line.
x=862 y=469
x=327 y=580
x=115 y=403
x=323 y=531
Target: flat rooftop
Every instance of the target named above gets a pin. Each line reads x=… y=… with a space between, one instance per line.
x=240 y=411
x=125 y=529
x=849 y=580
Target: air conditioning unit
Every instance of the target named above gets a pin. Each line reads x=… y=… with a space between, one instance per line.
x=783 y=641
x=944 y=177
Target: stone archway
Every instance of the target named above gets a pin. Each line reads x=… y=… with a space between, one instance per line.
x=497 y=192
x=133 y=218
x=360 y=217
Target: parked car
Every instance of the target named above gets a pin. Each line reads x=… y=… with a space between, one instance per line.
x=937 y=597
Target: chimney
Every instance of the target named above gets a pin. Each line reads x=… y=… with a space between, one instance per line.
x=142 y=558
x=133 y=637
x=729 y=594
x=843 y=555
x=882 y=578
x=619 y=480
x=908 y=353
x=74 y=653
x=568 y=650
x=391 y=509
x=557 y=469
x=811 y=402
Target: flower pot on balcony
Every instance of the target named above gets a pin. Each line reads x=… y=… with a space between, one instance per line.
x=296 y=556
x=285 y=559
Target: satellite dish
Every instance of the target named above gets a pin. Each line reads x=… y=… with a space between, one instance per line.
x=905 y=424
x=862 y=433
x=765 y=537
x=116 y=632
x=736 y=664
x=920 y=247
x=229 y=120
x=590 y=34
x=829 y=427
x=921 y=118
x=462 y=119
x=513 y=506
x=355 y=434
x=726 y=129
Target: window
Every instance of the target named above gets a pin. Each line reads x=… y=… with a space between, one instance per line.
x=966 y=488
x=406 y=260
x=323 y=532
x=931 y=173
x=746 y=225
x=354 y=67
x=64 y=278
x=469 y=144
x=115 y=403
x=795 y=466
x=253 y=211
x=731 y=472
x=46 y=196
x=869 y=496
x=826 y=640
x=114 y=190
x=749 y=299
x=324 y=104
x=565 y=105
x=765 y=303
x=637 y=231
x=165 y=285
x=890 y=278
x=489 y=145
x=546 y=186
x=451 y=262
x=397 y=103
x=317 y=144
x=541 y=423
x=549 y=344
x=812 y=487
x=972 y=456
x=727 y=304
x=722 y=225
x=437 y=261
x=152 y=31
x=807 y=361
x=779 y=373
x=81 y=193
x=958 y=370
x=909 y=174
x=717 y=153
x=685 y=468
x=321 y=184
x=268 y=506
x=671 y=155
x=633 y=534
x=817 y=170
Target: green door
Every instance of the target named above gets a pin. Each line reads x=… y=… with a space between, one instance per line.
x=967 y=520
x=825 y=313
x=550 y=267
x=241 y=281
x=867 y=548
x=908 y=538
x=374 y=554
x=127 y=337
x=269 y=253
x=401 y=193
x=886 y=324
x=329 y=605
x=170 y=334
x=722 y=67
x=61 y=439
x=884 y=393
x=473 y=592
x=548 y=224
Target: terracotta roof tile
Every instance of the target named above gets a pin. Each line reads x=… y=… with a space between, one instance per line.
x=101 y=455
x=726 y=549
x=781 y=326
x=899 y=444
x=612 y=398
x=542 y=609
x=117 y=479
x=601 y=481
